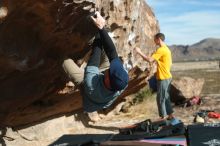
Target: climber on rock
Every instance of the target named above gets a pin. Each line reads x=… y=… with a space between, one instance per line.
x=100 y=90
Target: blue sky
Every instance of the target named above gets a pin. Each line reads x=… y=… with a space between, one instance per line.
x=187 y=21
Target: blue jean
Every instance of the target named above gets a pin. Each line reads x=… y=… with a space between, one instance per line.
x=163 y=97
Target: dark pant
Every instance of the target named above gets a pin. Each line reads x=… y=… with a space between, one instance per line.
x=102 y=40
x=163 y=98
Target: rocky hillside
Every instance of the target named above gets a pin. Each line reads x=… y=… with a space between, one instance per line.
x=204 y=50
x=36 y=36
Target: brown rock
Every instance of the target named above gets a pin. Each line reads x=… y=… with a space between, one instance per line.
x=35 y=37
x=185 y=88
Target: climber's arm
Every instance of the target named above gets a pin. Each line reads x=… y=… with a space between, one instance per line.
x=107 y=42
x=146 y=58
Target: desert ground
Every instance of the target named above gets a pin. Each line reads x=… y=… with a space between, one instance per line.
x=147 y=109
x=209 y=70
x=145 y=106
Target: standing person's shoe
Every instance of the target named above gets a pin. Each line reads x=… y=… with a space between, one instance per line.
x=174 y=121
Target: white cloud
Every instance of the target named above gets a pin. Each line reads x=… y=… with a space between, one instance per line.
x=187 y=21
x=198 y=18
x=191 y=27
x=213 y=3
x=193 y=23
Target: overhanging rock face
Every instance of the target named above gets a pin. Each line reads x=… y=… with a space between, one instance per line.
x=35 y=37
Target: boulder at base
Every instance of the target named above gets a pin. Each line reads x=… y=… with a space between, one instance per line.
x=185 y=88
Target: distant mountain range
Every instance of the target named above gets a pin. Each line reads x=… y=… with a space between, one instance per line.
x=207 y=49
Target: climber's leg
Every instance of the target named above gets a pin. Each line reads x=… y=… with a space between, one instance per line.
x=74 y=72
x=104 y=64
x=95 y=57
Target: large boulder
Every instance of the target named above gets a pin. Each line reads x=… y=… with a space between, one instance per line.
x=185 y=88
x=36 y=36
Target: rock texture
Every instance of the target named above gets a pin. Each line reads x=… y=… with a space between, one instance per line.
x=35 y=37
x=185 y=88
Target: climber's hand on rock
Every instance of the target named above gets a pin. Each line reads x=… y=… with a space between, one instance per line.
x=99 y=21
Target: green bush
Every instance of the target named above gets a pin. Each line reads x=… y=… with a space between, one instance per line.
x=142 y=95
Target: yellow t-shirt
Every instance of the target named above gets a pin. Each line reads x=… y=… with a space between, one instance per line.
x=164 y=60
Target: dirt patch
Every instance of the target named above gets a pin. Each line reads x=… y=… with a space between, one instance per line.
x=148 y=110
